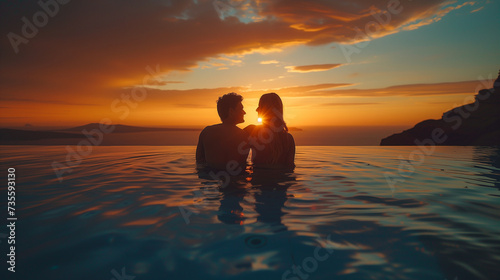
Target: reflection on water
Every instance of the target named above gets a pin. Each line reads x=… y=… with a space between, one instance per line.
x=145 y=209
x=268 y=189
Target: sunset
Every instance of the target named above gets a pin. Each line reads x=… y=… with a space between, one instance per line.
x=250 y=139
x=166 y=63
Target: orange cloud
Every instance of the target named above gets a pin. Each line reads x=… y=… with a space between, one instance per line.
x=269 y=62
x=205 y=98
x=94 y=51
x=312 y=68
x=349 y=104
x=466 y=87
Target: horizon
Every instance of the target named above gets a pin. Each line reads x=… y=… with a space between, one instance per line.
x=192 y=126
x=306 y=136
x=159 y=64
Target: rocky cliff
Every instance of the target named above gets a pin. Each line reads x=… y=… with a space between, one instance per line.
x=474 y=124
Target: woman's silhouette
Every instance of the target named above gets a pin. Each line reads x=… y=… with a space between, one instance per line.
x=272 y=146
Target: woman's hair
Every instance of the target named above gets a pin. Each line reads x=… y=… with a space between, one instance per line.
x=271 y=112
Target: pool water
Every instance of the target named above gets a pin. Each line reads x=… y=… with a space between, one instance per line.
x=345 y=213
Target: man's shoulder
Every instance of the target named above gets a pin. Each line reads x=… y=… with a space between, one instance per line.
x=211 y=127
x=222 y=130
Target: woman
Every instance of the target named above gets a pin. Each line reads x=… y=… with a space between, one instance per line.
x=272 y=145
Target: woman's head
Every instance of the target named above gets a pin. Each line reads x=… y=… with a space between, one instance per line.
x=271 y=111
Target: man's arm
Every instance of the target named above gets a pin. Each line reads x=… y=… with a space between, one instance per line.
x=200 y=149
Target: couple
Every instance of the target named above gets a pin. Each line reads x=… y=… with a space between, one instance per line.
x=226 y=147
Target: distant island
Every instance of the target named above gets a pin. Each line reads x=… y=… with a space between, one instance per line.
x=9 y=136
x=69 y=136
x=474 y=124
x=121 y=135
x=121 y=128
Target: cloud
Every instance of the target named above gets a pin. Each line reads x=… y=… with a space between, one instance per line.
x=163 y=83
x=465 y=87
x=43 y=101
x=206 y=98
x=221 y=63
x=269 y=62
x=309 y=88
x=433 y=16
x=92 y=50
x=349 y=104
x=477 y=10
x=273 y=79
x=194 y=106
x=312 y=68
x=202 y=98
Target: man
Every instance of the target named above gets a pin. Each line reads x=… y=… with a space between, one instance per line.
x=220 y=145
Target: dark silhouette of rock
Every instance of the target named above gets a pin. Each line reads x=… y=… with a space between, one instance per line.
x=474 y=124
x=496 y=85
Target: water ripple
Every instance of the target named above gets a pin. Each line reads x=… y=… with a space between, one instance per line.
x=146 y=209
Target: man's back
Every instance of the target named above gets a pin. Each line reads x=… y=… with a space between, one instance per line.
x=221 y=143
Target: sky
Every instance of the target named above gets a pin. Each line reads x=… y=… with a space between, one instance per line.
x=165 y=63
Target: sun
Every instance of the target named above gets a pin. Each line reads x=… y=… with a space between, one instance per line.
x=259 y=120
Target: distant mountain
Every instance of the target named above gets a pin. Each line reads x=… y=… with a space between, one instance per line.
x=120 y=128
x=121 y=135
x=72 y=136
x=7 y=135
x=474 y=124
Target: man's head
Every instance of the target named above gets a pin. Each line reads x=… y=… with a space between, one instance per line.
x=230 y=108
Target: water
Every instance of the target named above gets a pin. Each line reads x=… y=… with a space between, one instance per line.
x=143 y=212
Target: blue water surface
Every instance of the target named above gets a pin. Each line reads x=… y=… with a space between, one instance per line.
x=139 y=212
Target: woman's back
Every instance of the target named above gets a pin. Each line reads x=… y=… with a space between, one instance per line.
x=271 y=149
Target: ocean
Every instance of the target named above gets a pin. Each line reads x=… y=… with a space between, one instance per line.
x=187 y=136
x=143 y=212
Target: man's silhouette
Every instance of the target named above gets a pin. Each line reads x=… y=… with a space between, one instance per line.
x=220 y=145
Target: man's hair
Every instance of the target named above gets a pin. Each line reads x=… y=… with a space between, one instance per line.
x=226 y=102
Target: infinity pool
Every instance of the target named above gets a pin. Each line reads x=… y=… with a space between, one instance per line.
x=345 y=213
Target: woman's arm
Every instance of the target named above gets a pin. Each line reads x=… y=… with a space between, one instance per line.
x=290 y=157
